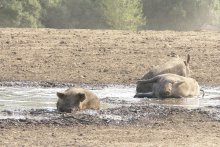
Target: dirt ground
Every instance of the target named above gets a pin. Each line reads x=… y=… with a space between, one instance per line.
x=104 y=57
x=112 y=136
x=95 y=56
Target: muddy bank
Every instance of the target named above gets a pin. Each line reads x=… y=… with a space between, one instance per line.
x=20 y=100
x=45 y=84
x=145 y=115
x=103 y=56
x=66 y=58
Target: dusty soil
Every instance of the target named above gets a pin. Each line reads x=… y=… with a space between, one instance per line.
x=94 y=56
x=103 y=57
x=148 y=125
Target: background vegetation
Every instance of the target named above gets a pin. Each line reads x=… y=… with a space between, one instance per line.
x=110 y=14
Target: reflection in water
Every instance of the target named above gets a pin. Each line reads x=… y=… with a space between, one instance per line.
x=211 y=98
x=23 y=98
x=12 y=98
x=185 y=102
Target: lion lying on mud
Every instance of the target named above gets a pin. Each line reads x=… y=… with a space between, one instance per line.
x=171 y=86
x=75 y=99
x=176 y=65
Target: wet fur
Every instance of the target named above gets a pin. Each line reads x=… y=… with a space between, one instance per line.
x=77 y=99
x=171 y=86
x=176 y=65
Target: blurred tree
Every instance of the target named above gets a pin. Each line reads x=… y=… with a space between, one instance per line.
x=9 y=13
x=23 y=13
x=216 y=12
x=82 y=14
x=50 y=12
x=178 y=14
x=123 y=14
x=114 y=14
x=30 y=16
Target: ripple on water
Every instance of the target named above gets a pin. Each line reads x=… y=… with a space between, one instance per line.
x=112 y=96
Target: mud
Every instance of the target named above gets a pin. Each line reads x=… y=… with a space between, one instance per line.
x=119 y=108
x=66 y=58
x=143 y=115
x=102 y=56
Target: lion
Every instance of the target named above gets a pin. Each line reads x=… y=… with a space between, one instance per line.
x=77 y=99
x=171 y=86
x=176 y=65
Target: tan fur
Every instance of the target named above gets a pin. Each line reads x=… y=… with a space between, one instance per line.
x=77 y=99
x=176 y=65
x=173 y=86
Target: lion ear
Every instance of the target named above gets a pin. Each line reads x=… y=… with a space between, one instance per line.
x=179 y=82
x=188 y=59
x=61 y=95
x=81 y=96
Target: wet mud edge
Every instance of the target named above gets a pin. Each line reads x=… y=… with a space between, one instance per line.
x=144 y=114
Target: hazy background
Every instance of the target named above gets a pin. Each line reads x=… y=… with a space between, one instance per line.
x=110 y=14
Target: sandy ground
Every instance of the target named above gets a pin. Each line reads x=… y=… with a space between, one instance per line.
x=112 y=136
x=97 y=57
x=88 y=56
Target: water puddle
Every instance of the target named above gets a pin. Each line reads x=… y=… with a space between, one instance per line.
x=16 y=99
x=211 y=99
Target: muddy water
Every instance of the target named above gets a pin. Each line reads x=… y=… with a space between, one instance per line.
x=15 y=99
x=23 y=98
x=210 y=99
